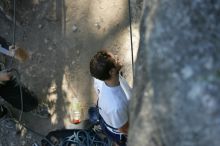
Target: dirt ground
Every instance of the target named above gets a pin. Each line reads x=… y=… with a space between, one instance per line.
x=61 y=37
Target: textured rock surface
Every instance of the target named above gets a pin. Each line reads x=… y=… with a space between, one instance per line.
x=177 y=83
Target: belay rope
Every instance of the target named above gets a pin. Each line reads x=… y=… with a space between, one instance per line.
x=13 y=33
x=10 y=68
x=14 y=30
x=131 y=39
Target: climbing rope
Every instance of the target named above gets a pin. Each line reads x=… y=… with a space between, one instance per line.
x=78 y=137
x=9 y=68
x=14 y=22
x=13 y=33
x=18 y=75
x=131 y=39
x=21 y=93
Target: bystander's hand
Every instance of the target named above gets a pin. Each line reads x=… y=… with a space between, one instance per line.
x=19 y=53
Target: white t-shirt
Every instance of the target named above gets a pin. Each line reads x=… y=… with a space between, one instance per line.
x=113 y=102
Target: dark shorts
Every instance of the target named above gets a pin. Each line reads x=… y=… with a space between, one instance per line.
x=10 y=91
x=120 y=139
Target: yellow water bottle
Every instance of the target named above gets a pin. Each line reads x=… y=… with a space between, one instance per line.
x=75 y=116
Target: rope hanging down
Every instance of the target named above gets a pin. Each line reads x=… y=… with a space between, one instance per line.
x=12 y=60
x=14 y=22
x=14 y=31
x=130 y=21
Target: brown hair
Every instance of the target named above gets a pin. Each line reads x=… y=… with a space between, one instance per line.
x=100 y=65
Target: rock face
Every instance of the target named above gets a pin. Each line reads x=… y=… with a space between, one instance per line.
x=177 y=79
